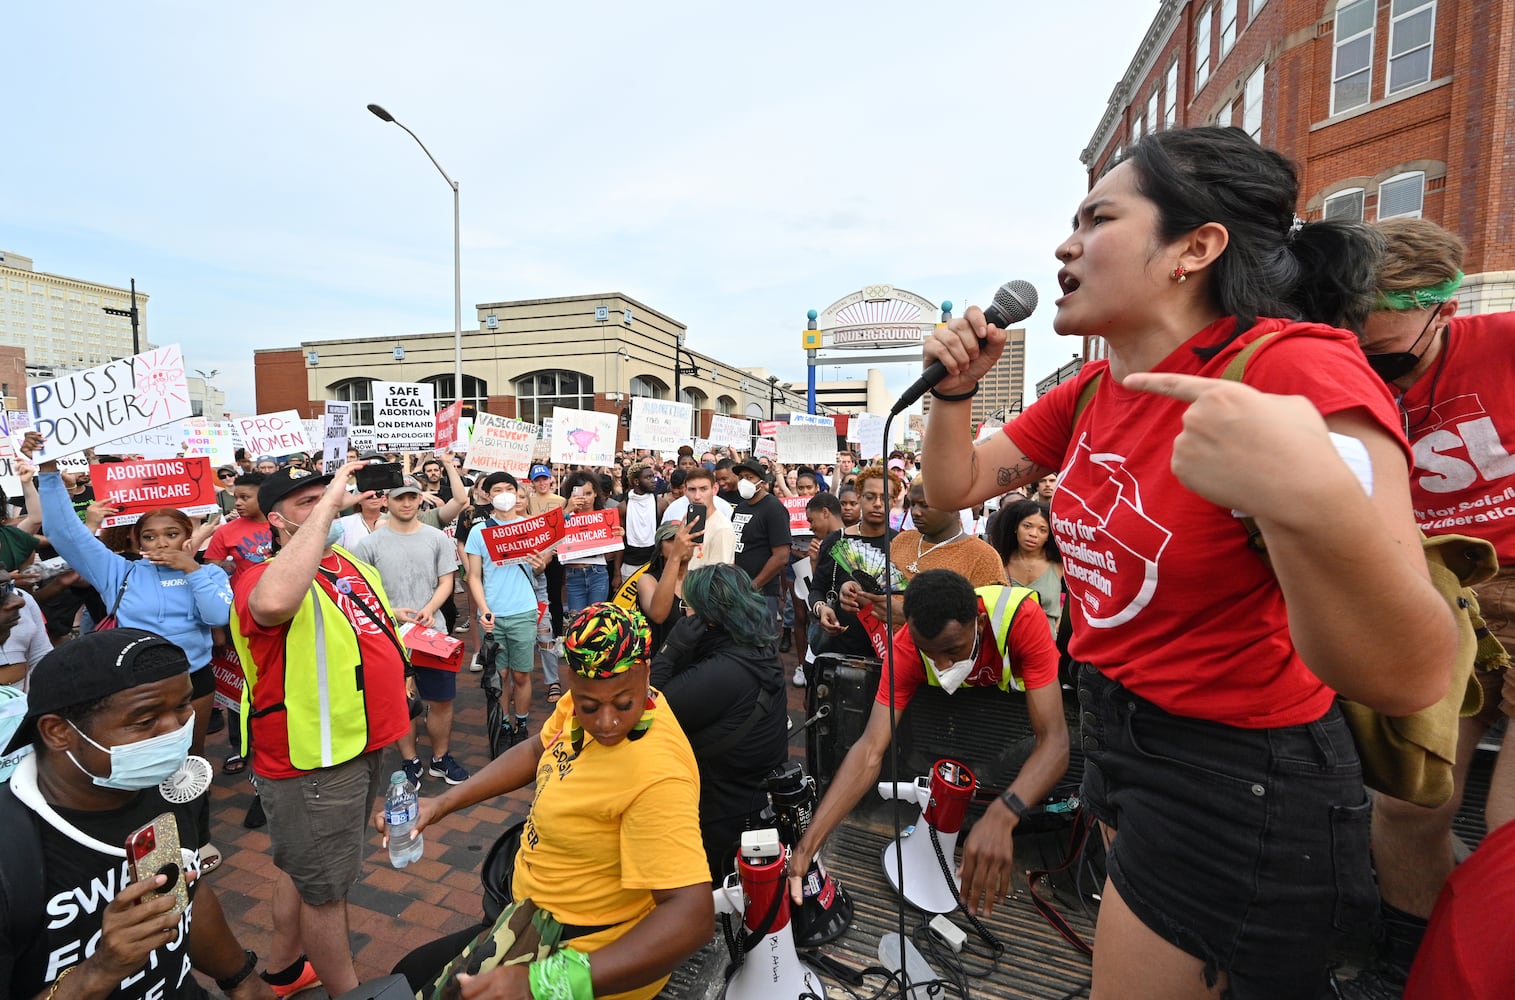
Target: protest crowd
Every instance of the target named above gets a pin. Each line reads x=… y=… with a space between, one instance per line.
x=1202 y=551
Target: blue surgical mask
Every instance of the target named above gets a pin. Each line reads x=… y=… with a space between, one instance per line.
x=144 y=764
x=333 y=534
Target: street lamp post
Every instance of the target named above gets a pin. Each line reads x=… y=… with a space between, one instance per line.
x=773 y=389
x=132 y=312
x=457 y=257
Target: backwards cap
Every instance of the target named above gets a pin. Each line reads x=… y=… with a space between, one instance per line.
x=603 y=640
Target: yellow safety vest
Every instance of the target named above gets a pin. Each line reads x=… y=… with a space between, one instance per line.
x=1002 y=603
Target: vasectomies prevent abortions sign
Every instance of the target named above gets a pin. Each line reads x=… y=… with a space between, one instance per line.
x=92 y=407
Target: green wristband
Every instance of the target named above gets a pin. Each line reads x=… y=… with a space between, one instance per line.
x=563 y=975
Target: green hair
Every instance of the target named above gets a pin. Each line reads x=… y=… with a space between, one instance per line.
x=723 y=595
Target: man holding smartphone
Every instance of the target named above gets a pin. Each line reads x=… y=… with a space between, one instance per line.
x=109 y=720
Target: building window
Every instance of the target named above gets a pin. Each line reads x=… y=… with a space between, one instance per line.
x=1152 y=102
x=475 y=392
x=1202 y=48
x=1252 y=101
x=358 y=392
x=537 y=394
x=1170 y=108
x=1402 y=196
x=1227 y=26
x=1412 y=26
x=697 y=402
x=1352 y=68
x=1136 y=127
x=725 y=405
x=648 y=388
x=1344 y=205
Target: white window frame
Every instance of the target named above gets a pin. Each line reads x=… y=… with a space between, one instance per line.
x=1170 y=103
x=1325 y=209
x=1394 y=20
x=1202 y=48
x=1227 y=26
x=1336 y=45
x=1252 y=102
x=1421 y=174
x=1153 y=100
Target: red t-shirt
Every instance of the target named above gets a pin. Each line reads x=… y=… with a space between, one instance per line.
x=245 y=542
x=383 y=668
x=1462 y=430
x=1032 y=655
x=1167 y=597
x=1469 y=948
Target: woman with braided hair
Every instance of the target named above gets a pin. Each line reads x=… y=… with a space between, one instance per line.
x=610 y=860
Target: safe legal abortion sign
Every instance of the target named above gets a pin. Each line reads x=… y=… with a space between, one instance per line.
x=124 y=397
x=404 y=416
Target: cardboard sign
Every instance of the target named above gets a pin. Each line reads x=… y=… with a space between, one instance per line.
x=733 y=432
x=768 y=428
x=159 y=442
x=430 y=648
x=500 y=444
x=404 y=415
x=226 y=668
x=517 y=541
x=335 y=424
x=659 y=424
x=141 y=486
x=362 y=438
x=806 y=444
x=83 y=409
x=799 y=524
x=765 y=448
x=814 y=419
x=212 y=439
x=447 y=425
x=275 y=434
x=591 y=533
x=582 y=437
x=867 y=429
x=10 y=482
x=314 y=432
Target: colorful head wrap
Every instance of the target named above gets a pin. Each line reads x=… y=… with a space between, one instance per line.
x=603 y=640
x=1409 y=299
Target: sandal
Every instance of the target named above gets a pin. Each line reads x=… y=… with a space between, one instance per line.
x=554 y=692
x=235 y=764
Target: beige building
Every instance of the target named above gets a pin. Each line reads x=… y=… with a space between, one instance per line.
x=61 y=321
x=521 y=359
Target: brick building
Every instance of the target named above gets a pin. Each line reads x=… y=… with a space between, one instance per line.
x=1389 y=107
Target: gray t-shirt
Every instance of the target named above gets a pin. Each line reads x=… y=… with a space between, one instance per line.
x=410 y=564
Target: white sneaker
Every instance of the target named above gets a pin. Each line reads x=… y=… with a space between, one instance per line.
x=799 y=676
x=476 y=665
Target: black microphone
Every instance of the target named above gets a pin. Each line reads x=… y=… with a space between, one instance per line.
x=1013 y=302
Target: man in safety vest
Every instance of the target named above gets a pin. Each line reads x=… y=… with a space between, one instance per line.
x=325 y=692
x=955 y=636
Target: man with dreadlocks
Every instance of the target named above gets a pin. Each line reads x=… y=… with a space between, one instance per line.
x=610 y=863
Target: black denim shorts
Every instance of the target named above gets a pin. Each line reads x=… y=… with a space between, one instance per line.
x=1247 y=848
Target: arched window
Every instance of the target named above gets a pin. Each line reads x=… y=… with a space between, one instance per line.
x=648 y=387
x=475 y=391
x=538 y=393
x=358 y=392
x=697 y=401
x=725 y=405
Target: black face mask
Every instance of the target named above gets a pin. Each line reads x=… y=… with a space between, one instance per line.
x=1391 y=365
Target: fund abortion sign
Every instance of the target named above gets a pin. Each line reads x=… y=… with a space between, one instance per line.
x=281 y=433
x=517 y=541
x=404 y=416
x=136 y=487
x=84 y=409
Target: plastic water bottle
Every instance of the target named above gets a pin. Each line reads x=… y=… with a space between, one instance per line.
x=400 y=812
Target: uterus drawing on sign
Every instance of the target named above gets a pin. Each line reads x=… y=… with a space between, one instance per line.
x=159 y=378
x=583 y=437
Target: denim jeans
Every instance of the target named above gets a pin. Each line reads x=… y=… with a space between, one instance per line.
x=583 y=586
x=547 y=646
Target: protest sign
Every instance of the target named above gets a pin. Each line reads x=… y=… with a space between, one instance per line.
x=72 y=463
x=814 y=419
x=799 y=524
x=500 y=444
x=362 y=438
x=765 y=448
x=517 y=541
x=591 y=533
x=276 y=434
x=733 y=432
x=334 y=428
x=136 y=487
x=314 y=434
x=767 y=428
x=10 y=482
x=159 y=442
x=83 y=409
x=212 y=439
x=806 y=444
x=403 y=415
x=226 y=668
x=869 y=431
x=13 y=425
x=658 y=425
x=547 y=429
x=447 y=426
x=988 y=429
x=582 y=437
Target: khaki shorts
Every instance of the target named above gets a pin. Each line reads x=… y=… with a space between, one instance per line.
x=318 y=824
x=1496 y=601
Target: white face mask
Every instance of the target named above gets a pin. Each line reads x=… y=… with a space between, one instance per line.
x=952 y=678
x=503 y=502
x=747 y=488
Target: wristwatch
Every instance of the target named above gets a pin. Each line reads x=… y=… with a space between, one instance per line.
x=233 y=981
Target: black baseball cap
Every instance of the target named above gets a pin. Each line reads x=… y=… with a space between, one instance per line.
x=282 y=483
x=91 y=667
x=751 y=465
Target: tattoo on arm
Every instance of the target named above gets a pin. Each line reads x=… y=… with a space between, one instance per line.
x=1020 y=472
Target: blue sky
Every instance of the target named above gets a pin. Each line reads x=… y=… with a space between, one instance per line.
x=730 y=165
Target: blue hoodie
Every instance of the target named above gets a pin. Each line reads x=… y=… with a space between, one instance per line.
x=179 y=606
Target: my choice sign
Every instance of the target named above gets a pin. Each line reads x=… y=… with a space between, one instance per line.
x=404 y=416
x=281 y=433
x=87 y=408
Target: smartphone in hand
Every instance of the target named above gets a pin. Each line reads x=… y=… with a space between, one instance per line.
x=694 y=521
x=154 y=850
x=382 y=476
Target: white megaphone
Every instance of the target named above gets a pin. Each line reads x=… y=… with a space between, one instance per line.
x=769 y=968
x=943 y=798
